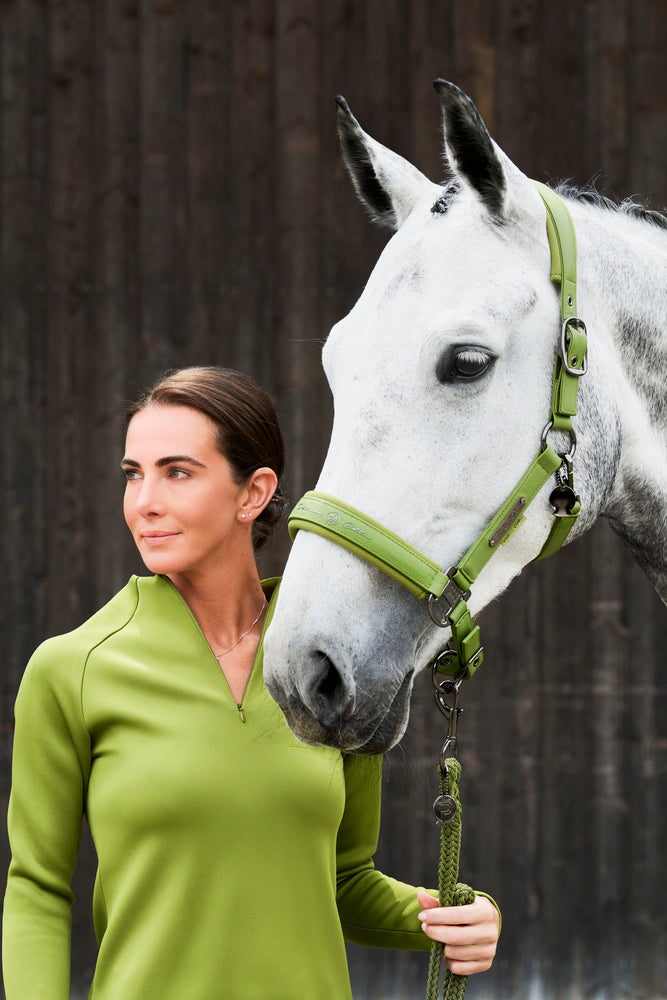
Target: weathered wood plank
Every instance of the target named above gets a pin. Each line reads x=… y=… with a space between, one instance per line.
x=171 y=192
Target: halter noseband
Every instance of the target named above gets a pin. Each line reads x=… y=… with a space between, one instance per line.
x=448 y=591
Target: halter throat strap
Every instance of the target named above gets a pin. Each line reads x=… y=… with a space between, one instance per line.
x=448 y=591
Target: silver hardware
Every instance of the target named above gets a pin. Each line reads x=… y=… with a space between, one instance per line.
x=445 y=810
x=452 y=594
x=573 y=443
x=446 y=694
x=563 y=497
x=507 y=522
x=562 y=500
x=565 y=340
x=474 y=661
x=447 y=662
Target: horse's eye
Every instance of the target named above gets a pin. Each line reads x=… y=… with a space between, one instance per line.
x=463 y=364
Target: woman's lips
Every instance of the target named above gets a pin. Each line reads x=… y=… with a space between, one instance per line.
x=159 y=538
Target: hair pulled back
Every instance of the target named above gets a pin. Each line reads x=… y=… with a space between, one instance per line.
x=246 y=426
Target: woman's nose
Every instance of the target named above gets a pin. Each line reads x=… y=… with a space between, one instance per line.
x=148 y=501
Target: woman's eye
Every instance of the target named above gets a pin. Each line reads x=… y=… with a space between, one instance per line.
x=130 y=474
x=175 y=473
x=464 y=364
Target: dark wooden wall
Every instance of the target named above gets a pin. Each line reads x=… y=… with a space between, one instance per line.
x=171 y=192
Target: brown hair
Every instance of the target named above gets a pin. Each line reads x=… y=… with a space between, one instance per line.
x=246 y=426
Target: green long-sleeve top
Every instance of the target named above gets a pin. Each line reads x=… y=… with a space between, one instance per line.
x=232 y=860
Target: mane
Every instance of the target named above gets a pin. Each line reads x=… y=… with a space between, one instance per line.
x=587 y=194
x=591 y=196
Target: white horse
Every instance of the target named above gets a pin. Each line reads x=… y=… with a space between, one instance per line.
x=441 y=376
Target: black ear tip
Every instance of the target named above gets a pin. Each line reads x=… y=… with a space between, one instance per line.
x=342 y=104
x=445 y=89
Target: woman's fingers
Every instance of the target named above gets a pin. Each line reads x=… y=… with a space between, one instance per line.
x=426 y=900
x=469 y=933
x=469 y=964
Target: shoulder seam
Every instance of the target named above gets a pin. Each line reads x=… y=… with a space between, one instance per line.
x=101 y=642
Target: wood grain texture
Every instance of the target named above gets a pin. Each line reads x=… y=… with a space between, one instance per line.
x=171 y=192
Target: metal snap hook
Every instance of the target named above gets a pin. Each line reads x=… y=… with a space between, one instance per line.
x=446 y=694
x=563 y=498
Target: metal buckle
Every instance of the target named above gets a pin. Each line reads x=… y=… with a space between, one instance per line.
x=453 y=594
x=564 y=341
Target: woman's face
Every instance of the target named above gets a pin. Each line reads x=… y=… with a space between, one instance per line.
x=181 y=503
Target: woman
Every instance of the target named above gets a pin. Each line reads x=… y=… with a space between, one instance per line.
x=233 y=860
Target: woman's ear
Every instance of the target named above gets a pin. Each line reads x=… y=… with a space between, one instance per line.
x=257 y=493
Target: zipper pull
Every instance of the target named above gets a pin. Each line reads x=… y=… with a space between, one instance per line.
x=241 y=712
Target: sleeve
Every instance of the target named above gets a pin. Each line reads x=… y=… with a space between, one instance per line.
x=374 y=909
x=50 y=768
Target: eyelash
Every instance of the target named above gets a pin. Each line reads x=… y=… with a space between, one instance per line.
x=174 y=472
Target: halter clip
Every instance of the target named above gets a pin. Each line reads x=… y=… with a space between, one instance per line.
x=446 y=695
x=452 y=594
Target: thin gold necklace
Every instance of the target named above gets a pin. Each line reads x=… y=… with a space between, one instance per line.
x=243 y=634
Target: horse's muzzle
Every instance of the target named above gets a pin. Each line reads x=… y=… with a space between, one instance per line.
x=326 y=711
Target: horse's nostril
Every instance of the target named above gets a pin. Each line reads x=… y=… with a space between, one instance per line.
x=330 y=680
x=329 y=690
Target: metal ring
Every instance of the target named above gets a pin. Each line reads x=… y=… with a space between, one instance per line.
x=573 y=446
x=573 y=440
x=432 y=600
x=547 y=427
x=445 y=657
x=455 y=678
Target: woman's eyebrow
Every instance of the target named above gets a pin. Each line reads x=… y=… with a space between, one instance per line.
x=179 y=458
x=168 y=460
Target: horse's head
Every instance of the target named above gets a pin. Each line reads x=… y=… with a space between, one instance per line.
x=441 y=377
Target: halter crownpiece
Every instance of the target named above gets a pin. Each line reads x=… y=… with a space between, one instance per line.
x=448 y=591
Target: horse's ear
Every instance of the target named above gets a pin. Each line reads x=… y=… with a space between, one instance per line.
x=387 y=184
x=471 y=152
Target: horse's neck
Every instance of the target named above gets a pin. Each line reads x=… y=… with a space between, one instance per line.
x=623 y=264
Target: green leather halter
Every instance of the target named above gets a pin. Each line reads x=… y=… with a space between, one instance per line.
x=448 y=591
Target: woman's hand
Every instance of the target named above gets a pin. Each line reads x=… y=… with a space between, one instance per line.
x=469 y=933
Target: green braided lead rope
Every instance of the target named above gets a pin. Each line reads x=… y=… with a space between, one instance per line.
x=455 y=986
x=450 y=892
